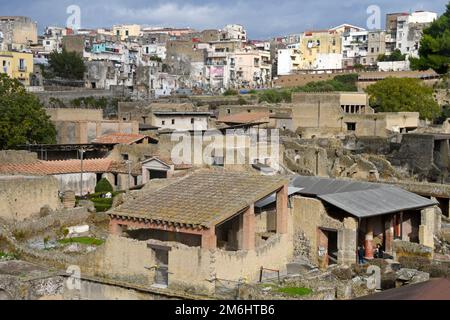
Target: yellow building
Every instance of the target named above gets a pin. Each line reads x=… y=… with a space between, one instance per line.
x=17 y=65
x=318 y=42
x=127 y=30
x=322 y=42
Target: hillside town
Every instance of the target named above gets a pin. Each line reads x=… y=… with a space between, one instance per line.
x=147 y=163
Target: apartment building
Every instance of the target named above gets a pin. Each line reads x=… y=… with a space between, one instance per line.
x=17 y=65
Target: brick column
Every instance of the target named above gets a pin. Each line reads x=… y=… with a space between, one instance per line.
x=209 y=239
x=248 y=232
x=368 y=243
x=282 y=210
x=115 y=228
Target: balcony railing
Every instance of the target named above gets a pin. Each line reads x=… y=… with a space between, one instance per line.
x=22 y=69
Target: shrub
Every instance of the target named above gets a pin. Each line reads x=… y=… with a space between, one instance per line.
x=103 y=186
x=417 y=263
x=437 y=270
x=230 y=92
x=242 y=101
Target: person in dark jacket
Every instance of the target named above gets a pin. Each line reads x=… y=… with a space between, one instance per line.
x=379 y=252
x=361 y=253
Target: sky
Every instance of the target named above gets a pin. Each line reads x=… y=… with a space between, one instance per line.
x=263 y=19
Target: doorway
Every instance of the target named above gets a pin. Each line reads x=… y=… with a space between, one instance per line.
x=327 y=247
x=162 y=265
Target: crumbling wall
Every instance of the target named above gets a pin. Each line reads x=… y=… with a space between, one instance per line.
x=22 y=197
x=308 y=216
x=122 y=259
x=191 y=269
x=17 y=156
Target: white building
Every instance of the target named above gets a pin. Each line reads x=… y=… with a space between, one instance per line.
x=410 y=30
x=52 y=40
x=288 y=61
x=234 y=32
x=328 y=61
x=354 y=47
x=181 y=120
x=155 y=49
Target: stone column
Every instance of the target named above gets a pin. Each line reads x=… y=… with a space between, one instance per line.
x=209 y=239
x=389 y=234
x=282 y=210
x=426 y=228
x=347 y=242
x=248 y=235
x=368 y=243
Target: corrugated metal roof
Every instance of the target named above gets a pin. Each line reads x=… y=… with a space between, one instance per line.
x=272 y=198
x=361 y=199
x=318 y=186
x=374 y=202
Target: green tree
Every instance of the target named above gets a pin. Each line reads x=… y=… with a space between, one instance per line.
x=434 y=51
x=103 y=186
x=66 y=65
x=22 y=117
x=396 y=55
x=403 y=94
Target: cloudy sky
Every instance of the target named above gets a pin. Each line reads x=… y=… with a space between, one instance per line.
x=262 y=18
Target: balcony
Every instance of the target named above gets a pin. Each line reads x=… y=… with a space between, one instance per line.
x=22 y=69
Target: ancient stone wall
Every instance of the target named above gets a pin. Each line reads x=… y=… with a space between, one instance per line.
x=22 y=197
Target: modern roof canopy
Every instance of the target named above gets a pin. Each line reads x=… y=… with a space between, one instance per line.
x=361 y=199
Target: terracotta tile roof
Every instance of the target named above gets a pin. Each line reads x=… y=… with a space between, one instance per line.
x=119 y=138
x=57 y=167
x=202 y=199
x=245 y=117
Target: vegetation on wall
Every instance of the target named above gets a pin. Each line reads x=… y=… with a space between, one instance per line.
x=230 y=92
x=345 y=82
x=396 y=55
x=97 y=103
x=434 y=51
x=403 y=95
x=22 y=117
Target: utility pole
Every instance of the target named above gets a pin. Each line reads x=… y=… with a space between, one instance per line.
x=129 y=174
x=81 y=180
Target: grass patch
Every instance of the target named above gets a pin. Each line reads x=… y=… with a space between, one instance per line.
x=82 y=240
x=293 y=291
x=7 y=256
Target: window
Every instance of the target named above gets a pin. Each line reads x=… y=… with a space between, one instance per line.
x=125 y=156
x=21 y=64
x=127 y=33
x=192 y=120
x=351 y=126
x=228 y=111
x=173 y=121
x=163 y=122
